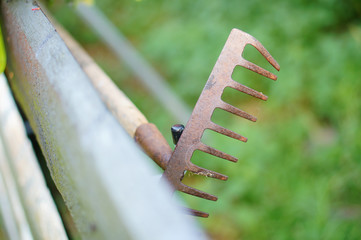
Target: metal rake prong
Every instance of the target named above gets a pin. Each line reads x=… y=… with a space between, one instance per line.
x=242 y=88
x=196 y=213
x=205 y=172
x=195 y=192
x=225 y=131
x=207 y=149
x=255 y=43
x=209 y=100
x=229 y=108
x=257 y=69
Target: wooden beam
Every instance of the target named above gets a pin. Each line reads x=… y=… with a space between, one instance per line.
x=40 y=209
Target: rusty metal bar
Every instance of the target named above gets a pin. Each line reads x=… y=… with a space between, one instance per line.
x=105 y=180
x=153 y=143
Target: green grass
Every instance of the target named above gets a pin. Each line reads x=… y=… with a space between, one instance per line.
x=299 y=174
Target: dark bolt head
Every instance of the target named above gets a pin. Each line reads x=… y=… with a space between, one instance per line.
x=177 y=130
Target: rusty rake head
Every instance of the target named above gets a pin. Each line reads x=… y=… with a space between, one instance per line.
x=210 y=99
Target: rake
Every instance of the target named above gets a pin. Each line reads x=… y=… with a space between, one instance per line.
x=176 y=163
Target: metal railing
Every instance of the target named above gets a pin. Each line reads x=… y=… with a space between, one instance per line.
x=108 y=184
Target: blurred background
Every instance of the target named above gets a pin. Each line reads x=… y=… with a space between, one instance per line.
x=299 y=174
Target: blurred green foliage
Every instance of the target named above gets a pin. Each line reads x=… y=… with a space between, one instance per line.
x=299 y=175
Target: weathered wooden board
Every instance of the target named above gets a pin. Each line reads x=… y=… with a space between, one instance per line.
x=20 y=163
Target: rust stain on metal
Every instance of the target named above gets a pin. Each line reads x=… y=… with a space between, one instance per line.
x=210 y=99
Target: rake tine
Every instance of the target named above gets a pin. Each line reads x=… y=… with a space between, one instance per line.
x=195 y=192
x=255 y=43
x=207 y=149
x=209 y=100
x=196 y=213
x=225 y=131
x=257 y=69
x=242 y=88
x=205 y=172
x=229 y=108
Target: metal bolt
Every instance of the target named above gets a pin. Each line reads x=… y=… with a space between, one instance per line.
x=177 y=130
